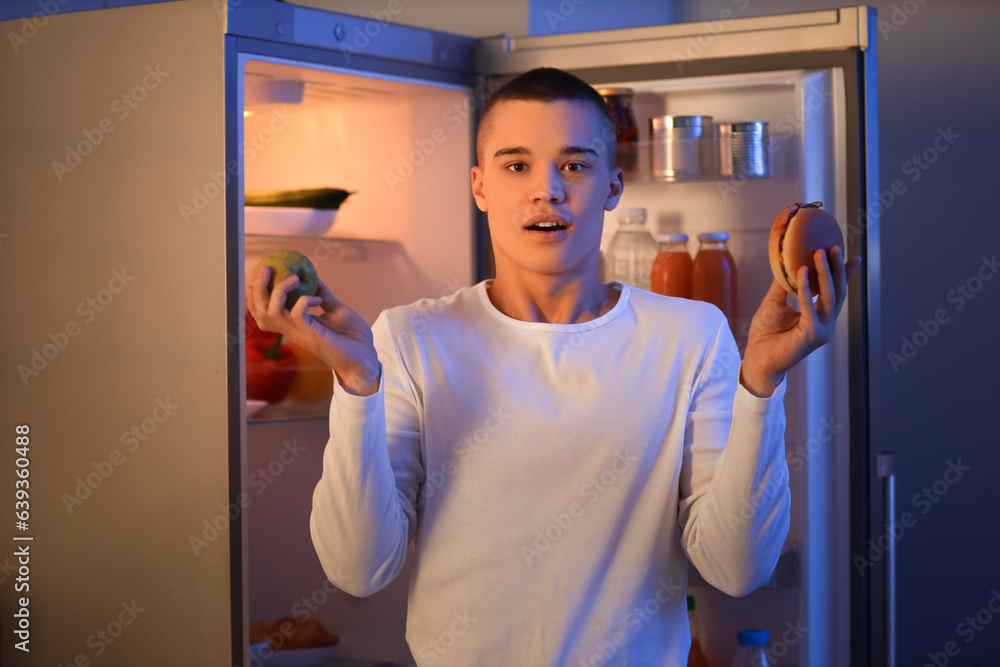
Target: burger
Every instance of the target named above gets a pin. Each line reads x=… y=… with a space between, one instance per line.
x=798 y=232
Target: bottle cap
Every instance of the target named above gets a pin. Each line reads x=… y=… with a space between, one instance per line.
x=714 y=236
x=690 y=603
x=752 y=637
x=669 y=238
x=632 y=216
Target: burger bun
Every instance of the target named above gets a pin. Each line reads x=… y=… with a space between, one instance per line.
x=798 y=232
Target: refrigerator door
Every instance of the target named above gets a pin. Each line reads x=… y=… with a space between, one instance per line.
x=114 y=337
x=812 y=75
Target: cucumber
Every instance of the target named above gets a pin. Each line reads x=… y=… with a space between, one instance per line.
x=326 y=198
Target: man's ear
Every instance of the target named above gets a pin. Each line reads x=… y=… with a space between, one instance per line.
x=616 y=187
x=477 y=188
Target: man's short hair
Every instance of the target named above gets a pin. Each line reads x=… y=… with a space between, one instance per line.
x=548 y=84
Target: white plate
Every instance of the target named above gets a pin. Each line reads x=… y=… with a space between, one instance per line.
x=287 y=221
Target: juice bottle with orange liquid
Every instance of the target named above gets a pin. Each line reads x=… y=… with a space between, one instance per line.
x=713 y=277
x=672 y=267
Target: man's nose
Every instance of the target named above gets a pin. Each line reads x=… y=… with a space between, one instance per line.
x=549 y=185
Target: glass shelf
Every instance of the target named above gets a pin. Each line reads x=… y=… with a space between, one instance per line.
x=288 y=412
x=640 y=163
x=275 y=238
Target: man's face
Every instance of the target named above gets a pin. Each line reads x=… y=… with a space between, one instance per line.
x=545 y=180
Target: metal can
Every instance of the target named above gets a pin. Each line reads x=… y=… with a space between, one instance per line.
x=681 y=147
x=743 y=150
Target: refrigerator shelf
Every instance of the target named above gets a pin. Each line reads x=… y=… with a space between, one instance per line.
x=782 y=161
x=270 y=239
x=320 y=248
x=285 y=411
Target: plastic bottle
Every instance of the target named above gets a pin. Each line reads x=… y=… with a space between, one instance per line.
x=672 y=267
x=753 y=649
x=632 y=250
x=713 y=277
x=696 y=657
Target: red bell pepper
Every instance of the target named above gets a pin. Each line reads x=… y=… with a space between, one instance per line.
x=252 y=331
x=271 y=368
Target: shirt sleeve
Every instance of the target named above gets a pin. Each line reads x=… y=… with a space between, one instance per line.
x=363 y=513
x=734 y=508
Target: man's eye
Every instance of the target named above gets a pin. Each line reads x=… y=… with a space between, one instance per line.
x=517 y=167
x=575 y=166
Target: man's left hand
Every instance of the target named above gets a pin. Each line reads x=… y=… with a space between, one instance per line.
x=780 y=337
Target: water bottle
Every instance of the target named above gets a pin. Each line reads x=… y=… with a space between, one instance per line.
x=752 y=651
x=632 y=250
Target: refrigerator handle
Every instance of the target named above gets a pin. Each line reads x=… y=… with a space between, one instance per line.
x=885 y=466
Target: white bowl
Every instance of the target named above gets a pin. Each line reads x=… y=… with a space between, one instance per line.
x=286 y=221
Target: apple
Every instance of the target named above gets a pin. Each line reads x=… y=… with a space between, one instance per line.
x=284 y=263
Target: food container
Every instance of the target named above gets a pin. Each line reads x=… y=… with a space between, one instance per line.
x=619 y=101
x=743 y=150
x=308 y=212
x=681 y=147
x=287 y=221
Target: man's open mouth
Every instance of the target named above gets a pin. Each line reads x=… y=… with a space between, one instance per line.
x=550 y=226
x=546 y=222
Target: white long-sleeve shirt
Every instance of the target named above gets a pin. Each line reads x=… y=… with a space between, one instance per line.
x=555 y=477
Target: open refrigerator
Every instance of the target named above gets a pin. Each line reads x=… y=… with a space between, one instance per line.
x=293 y=97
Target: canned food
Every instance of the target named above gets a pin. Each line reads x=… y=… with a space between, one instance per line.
x=681 y=147
x=743 y=149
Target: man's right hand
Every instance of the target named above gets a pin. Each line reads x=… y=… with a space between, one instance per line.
x=339 y=336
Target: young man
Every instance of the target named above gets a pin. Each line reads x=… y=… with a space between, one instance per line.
x=556 y=447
